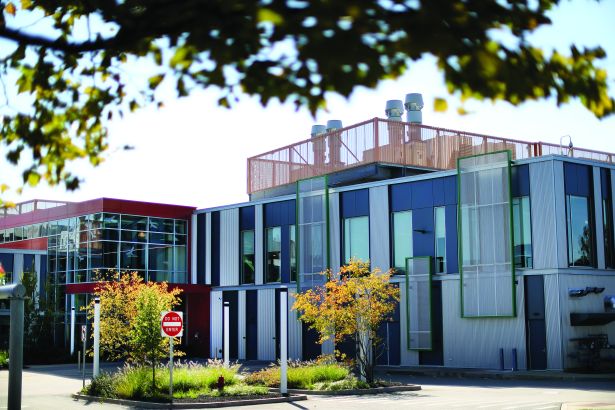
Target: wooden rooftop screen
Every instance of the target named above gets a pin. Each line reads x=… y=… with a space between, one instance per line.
x=389 y=142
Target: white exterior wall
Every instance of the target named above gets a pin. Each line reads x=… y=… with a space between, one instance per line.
x=241 y=322
x=216 y=324
x=543 y=217
x=266 y=324
x=553 y=322
x=476 y=342
x=229 y=247
x=379 y=248
x=208 y=248
x=193 y=249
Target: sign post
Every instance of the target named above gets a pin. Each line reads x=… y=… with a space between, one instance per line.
x=84 y=339
x=171 y=325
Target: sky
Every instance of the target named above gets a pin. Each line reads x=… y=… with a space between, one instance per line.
x=192 y=152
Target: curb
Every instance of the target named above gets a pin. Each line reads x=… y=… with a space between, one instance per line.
x=354 y=392
x=499 y=376
x=208 y=405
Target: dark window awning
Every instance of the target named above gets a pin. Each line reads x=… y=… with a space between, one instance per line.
x=591 y=319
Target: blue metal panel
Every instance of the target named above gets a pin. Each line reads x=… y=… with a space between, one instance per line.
x=6 y=259
x=605 y=183
x=355 y=203
x=423 y=235
x=246 y=218
x=215 y=248
x=452 y=260
x=577 y=179
x=251 y=324
x=309 y=343
x=520 y=178
x=28 y=263
x=200 y=248
x=400 y=197
x=232 y=298
x=439 y=195
x=422 y=194
x=450 y=190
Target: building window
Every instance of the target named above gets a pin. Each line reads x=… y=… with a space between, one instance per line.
x=247 y=257
x=356 y=238
x=402 y=240
x=580 y=237
x=522 y=232
x=440 y=239
x=293 y=252
x=607 y=220
x=274 y=254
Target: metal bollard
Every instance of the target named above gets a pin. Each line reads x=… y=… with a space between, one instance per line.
x=16 y=294
x=78 y=360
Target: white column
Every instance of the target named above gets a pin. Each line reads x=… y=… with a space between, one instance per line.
x=283 y=340
x=72 y=325
x=96 y=360
x=226 y=352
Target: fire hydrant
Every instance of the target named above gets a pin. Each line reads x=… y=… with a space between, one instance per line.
x=220 y=383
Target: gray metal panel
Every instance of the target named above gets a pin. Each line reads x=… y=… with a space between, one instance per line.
x=207 y=248
x=335 y=239
x=258 y=245
x=294 y=330
x=216 y=324
x=553 y=322
x=229 y=247
x=193 y=249
x=560 y=213
x=266 y=324
x=408 y=357
x=543 y=215
x=476 y=342
x=598 y=219
x=18 y=268
x=241 y=324
x=379 y=228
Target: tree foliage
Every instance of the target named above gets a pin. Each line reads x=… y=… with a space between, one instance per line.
x=69 y=60
x=351 y=305
x=38 y=315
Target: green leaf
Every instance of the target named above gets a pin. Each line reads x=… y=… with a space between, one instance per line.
x=155 y=81
x=440 y=104
x=266 y=15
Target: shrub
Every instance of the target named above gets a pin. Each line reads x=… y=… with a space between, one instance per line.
x=300 y=377
x=4 y=358
x=103 y=385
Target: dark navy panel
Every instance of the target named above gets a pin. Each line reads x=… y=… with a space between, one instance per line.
x=232 y=298
x=200 y=248
x=251 y=325
x=246 y=218
x=439 y=197
x=283 y=213
x=435 y=357
x=28 y=263
x=452 y=259
x=400 y=196
x=355 y=203
x=389 y=331
x=450 y=190
x=285 y=262
x=309 y=343
x=605 y=182
x=277 y=323
x=577 y=179
x=520 y=180
x=423 y=235
x=422 y=194
x=535 y=297
x=536 y=331
x=215 y=248
x=6 y=259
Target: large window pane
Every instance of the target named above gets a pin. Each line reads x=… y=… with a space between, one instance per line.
x=160 y=257
x=247 y=257
x=522 y=232
x=133 y=256
x=580 y=237
x=440 y=239
x=180 y=258
x=134 y=236
x=274 y=248
x=293 y=253
x=134 y=223
x=402 y=240
x=161 y=225
x=356 y=238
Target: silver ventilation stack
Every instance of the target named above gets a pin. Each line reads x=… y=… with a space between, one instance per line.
x=333 y=125
x=394 y=110
x=318 y=130
x=414 y=105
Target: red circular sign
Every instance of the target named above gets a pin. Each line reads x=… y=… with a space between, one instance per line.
x=172 y=324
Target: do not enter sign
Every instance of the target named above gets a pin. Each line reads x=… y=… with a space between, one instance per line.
x=172 y=324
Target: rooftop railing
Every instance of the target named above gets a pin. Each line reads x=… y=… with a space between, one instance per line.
x=390 y=142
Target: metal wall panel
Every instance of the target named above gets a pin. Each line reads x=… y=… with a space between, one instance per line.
x=18 y=267
x=207 y=248
x=476 y=342
x=598 y=219
x=229 y=247
x=560 y=214
x=258 y=245
x=589 y=303
x=266 y=324
x=542 y=205
x=408 y=357
x=216 y=324
x=193 y=249
x=241 y=322
x=294 y=330
x=553 y=322
x=335 y=239
x=379 y=228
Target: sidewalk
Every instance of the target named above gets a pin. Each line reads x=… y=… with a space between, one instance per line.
x=496 y=374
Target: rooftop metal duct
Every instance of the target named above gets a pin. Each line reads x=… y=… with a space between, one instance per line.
x=317 y=130
x=414 y=105
x=333 y=125
x=394 y=110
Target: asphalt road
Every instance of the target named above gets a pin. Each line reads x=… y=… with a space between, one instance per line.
x=49 y=387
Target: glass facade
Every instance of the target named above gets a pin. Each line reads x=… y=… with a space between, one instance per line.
x=580 y=237
x=607 y=218
x=356 y=238
x=440 y=239
x=522 y=232
x=247 y=257
x=274 y=255
x=293 y=252
x=402 y=239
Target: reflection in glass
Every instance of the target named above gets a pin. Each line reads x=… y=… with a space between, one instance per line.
x=356 y=238
x=522 y=232
x=293 y=253
x=247 y=257
x=440 y=239
x=274 y=248
x=402 y=240
x=580 y=238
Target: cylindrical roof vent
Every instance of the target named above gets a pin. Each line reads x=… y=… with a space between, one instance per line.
x=394 y=110
x=333 y=125
x=318 y=129
x=414 y=105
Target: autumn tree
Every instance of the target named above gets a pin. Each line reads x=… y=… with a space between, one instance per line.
x=73 y=62
x=351 y=306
